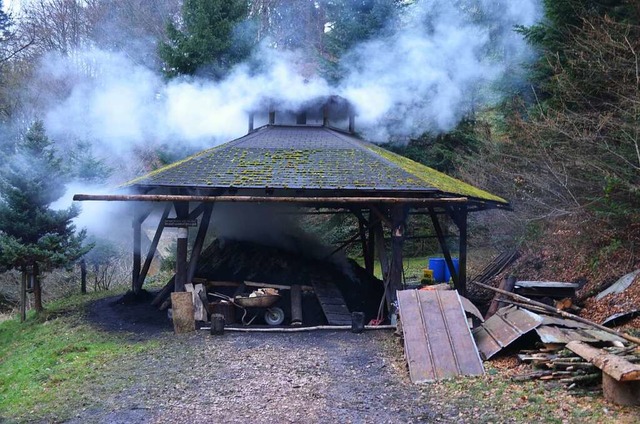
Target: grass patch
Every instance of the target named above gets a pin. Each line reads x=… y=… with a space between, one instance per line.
x=413 y=267
x=495 y=398
x=47 y=361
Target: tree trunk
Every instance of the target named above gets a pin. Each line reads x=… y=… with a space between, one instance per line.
x=37 y=289
x=83 y=276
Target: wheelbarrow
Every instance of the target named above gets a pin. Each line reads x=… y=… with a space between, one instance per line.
x=257 y=305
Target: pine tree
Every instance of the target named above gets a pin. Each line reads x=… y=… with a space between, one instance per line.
x=33 y=237
x=352 y=22
x=209 y=40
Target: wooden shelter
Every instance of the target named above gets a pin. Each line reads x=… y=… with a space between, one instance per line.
x=311 y=158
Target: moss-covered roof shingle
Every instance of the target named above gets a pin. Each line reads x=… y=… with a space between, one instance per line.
x=305 y=157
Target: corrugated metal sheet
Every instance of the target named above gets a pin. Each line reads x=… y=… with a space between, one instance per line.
x=503 y=328
x=438 y=342
x=550 y=334
x=511 y=322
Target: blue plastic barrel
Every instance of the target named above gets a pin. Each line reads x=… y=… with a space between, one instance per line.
x=437 y=265
x=456 y=265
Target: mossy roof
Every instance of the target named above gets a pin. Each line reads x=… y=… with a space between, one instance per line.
x=306 y=157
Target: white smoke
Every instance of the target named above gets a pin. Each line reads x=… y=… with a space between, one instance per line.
x=442 y=63
x=442 y=60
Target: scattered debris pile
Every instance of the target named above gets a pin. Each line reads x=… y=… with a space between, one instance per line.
x=513 y=323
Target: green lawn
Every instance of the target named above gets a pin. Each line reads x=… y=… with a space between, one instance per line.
x=46 y=361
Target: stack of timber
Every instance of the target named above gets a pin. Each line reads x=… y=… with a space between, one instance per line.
x=496 y=266
x=561 y=364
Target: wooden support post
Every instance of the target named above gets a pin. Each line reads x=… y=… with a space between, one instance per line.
x=152 y=249
x=23 y=296
x=83 y=276
x=296 y=304
x=363 y=226
x=443 y=245
x=137 y=256
x=378 y=232
x=460 y=219
x=182 y=211
x=369 y=260
x=199 y=242
x=398 y=218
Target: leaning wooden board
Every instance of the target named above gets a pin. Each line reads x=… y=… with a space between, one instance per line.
x=332 y=303
x=438 y=342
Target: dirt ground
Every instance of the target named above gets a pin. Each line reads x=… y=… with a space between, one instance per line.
x=251 y=377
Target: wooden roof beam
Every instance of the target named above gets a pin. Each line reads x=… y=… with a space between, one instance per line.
x=260 y=199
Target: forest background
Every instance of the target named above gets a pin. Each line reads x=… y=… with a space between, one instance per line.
x=549 y=119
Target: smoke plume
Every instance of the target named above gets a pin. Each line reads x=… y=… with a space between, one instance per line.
x=440 y=61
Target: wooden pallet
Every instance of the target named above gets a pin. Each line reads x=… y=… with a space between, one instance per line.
x=332 y=303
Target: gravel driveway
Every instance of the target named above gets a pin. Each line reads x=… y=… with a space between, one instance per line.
x=325 y=376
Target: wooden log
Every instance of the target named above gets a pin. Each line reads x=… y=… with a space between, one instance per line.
x=618 y=368
x=507 y=285
x=217 y=324
x=560 y=312
x=296 y=305
x=625 y=393
x=266 y=199
x=531 y=376
x=182 y=306
x=581 y=378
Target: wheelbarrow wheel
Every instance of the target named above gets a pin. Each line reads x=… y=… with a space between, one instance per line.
x=274 y=316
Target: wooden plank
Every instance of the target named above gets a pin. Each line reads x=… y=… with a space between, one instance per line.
x=465 y=351
x=435 y=328
x=417 y=350
x=618 y=368
x=332 y=303
x=438 y=341
x=199 y=310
